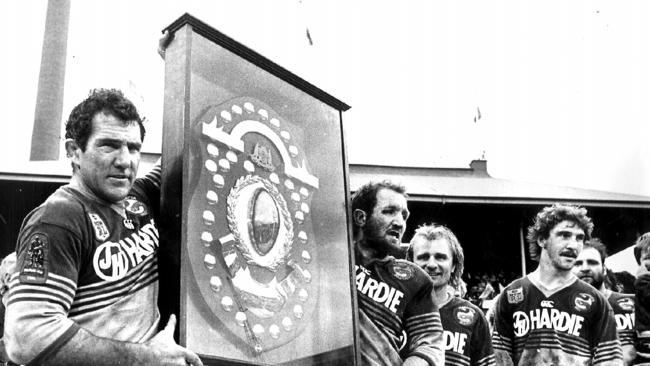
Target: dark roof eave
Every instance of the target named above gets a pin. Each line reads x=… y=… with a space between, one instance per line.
x=527 y=201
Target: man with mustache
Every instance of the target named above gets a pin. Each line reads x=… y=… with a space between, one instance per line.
x=590 y=268
x=549 y=317
x=394 y=296
x=436 y=250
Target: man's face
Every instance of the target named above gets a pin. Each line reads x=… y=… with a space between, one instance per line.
x=109 y=165
x=645 y=258
x=589 y=267
x=385 y=226
x=435 y=257
x=563 y=245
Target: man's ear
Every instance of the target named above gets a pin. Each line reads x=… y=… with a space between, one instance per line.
x=541 y=243
x=72 y=151
x=359 y=216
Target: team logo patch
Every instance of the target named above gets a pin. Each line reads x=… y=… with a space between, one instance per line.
x=101 y=231
x=626 y=303
x=403 y=271
x=135 y=207
x=583 y=301
x=465 y=315
x=34 y=268
x=515 y=296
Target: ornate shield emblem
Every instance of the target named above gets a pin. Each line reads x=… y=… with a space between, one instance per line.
x=249 y=239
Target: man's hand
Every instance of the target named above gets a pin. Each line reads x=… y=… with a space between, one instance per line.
x=166 y=349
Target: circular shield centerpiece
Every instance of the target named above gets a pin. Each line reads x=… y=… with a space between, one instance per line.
x=260 y=221
x=263 y=221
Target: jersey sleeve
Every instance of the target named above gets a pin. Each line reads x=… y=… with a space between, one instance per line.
x=41 y=292
x=149 y=187
x=481 y=351
x=424 y=328
x=606 y=345
x=502 y=335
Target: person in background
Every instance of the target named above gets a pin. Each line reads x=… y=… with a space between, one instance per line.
x=642 y=298
x=85 y=288
x=549 y=316
x=590 y=267
x=394 y=296
x=7 y=268
x=435 y=249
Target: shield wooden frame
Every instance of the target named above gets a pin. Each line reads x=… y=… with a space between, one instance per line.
x=242 y=134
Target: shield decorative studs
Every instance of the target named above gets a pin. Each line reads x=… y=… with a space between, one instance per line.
x=250 y=240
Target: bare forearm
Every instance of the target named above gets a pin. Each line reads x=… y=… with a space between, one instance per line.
x=629 y=354
x=415 y=361
x=87 y=349
x=503 y=358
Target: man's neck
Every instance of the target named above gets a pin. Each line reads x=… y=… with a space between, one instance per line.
x=552 y=278
x=605 y=291
x=77 y=184
x=364 y=252
x=442 y=295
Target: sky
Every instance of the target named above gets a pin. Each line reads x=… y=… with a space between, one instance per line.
x=553 y=92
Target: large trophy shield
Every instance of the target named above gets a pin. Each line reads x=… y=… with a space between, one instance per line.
x=254 y=169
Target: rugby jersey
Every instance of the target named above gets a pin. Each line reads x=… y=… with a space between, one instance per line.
x=623 y=307
x=394 y=296
x=81 y=264
x=573 y=326
x=466 y=334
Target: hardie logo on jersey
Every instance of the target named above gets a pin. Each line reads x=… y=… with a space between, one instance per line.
x=583 y=301
x=113 y=261
x=626 y=303
x=403 y=271
x=101 y=231
x=545 y=318
x=455 y=341
x=465 y=315
x=35 y=269
x=135 y=207
x=624 y=321
x=515 y=295
x=378 y=291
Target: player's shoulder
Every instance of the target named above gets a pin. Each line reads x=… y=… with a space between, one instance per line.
x=580 y=286
x=516 y=291
x=62 y=209
x=462 y=312
x=404 y=270
x=621 y=302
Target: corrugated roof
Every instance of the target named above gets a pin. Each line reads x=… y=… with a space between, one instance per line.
x=475 y=185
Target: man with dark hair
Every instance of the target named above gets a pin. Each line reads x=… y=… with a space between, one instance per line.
x=549 y=317
x=436 y=250
x=642 y=299
x=590 y=267
x=85 y=288
x=394 y=296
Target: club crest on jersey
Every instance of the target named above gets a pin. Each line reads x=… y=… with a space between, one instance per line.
x=465 y=315
x=583 y=301
x=101 y=231
x=34 y=268
x=626 y=303
x=250 y=234
x=403 y=271
x=516 y=295
x=135 y=207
